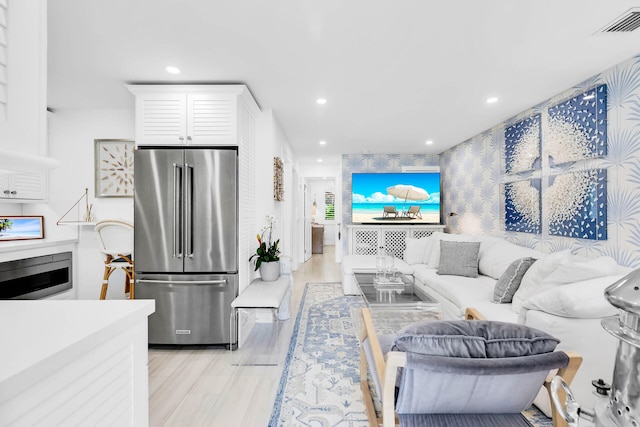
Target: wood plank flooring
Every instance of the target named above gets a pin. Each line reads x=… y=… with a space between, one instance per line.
x=205 y=386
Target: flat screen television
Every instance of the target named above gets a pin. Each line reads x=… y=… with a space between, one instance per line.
x=395 y=198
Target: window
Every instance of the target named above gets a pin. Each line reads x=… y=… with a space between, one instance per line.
x=329 y=209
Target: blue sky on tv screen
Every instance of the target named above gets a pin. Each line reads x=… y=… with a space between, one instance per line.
x=372 y=187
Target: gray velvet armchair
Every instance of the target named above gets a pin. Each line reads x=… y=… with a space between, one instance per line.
x=458 y=373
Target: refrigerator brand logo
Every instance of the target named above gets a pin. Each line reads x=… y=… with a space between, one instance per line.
x=183 y=331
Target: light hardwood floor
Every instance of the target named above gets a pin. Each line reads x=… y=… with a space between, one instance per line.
x=206 y=386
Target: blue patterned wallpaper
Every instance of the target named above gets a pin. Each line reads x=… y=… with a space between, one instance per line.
x=474 y=171
x=375 y=163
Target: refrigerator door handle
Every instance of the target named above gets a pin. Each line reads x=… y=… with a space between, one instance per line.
x=177 y=211
x=188 y=229
x=184 y=282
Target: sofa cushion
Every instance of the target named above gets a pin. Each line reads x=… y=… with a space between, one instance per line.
x=458 y=289
x=497 y=254
x=579 y=269
x=351 y=263
x=533 y=280
x=414 y=250
x=434 y=258
x=473 y=339
x=463 y=292
x=459 y=258
x=509 y=282
x=583 y=299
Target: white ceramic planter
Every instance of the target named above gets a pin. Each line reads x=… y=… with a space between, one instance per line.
x=270 y=271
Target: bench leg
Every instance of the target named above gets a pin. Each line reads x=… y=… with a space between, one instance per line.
x=233 y=330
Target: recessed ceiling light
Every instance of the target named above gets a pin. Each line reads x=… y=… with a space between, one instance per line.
x=321 y=101
x=323 y=142
x=590 y=96
x=319 y=160
x=428 y=142
x=492 y=100
x=173 y=70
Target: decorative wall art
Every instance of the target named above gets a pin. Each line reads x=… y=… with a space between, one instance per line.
x=578 y=127
x=278 y=179
x=577 y=203
x=522 y=145
x=21 y=227
x=114 y=167
x=522 y=206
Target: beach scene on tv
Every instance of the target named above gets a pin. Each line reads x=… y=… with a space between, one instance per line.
x=395 y=197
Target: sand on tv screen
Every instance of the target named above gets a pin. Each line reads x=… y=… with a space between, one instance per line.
x=399 y=198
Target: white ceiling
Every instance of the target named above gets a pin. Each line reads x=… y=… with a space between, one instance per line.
x=395 y=73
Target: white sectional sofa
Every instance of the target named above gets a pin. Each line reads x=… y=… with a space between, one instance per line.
x=560 y=293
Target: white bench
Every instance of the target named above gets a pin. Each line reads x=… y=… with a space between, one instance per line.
x=364 y=263
x=275 y=295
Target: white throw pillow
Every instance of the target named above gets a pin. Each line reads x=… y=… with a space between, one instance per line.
x=434 y=259
x=583 y=300
x=496 y=255
x=414 y=250
x=431 y=241
x=532 y=282
x=580 y=269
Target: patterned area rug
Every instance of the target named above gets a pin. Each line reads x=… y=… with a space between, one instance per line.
x=320 y=384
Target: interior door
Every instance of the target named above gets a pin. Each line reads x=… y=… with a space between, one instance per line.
x=157 y=214
x=211 y=210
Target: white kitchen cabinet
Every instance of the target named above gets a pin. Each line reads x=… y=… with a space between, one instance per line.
x=23 y=186
x=190 y=114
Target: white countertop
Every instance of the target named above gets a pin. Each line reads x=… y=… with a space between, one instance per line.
x=18 y=245
x=35 y=334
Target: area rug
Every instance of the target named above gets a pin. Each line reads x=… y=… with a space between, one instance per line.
x=320 y=383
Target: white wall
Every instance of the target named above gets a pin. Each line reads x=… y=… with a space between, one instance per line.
x=71 y=141
x=272 y=142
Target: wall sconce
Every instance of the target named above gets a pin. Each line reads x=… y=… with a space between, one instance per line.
x=450 y=215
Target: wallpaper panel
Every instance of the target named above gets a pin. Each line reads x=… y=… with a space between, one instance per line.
x=473 y=171
x=374 y=163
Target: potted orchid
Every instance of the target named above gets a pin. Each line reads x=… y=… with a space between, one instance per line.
x=267 y=254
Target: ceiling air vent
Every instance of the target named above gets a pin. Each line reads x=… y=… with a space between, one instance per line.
x=628 y=21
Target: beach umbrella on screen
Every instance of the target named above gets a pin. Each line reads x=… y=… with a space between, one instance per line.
x=408 y=192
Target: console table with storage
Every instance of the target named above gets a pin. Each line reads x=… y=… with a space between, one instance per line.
x=366 y=239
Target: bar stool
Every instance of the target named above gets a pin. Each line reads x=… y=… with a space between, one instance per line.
x=116 y=244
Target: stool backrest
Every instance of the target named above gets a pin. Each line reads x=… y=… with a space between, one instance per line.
x=115 y=237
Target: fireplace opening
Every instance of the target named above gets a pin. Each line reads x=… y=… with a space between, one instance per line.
x=35 y=278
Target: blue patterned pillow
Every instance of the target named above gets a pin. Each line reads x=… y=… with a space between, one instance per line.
x=509 y=282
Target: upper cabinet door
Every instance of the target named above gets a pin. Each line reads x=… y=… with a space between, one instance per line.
x=23 y=186
x=161 y=118
x=212 y=119
x=193 y=114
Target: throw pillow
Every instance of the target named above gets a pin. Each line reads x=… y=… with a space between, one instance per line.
x=432 y=241
x=475 y=338
x=434 y=258
x=535 y=276
x=497 y=254
x=580 y=268
x=509 y=282
x=414 y=250
x=581 y=300
x=459 y=258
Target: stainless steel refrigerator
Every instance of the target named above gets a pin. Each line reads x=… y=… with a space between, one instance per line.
x=186 y=239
